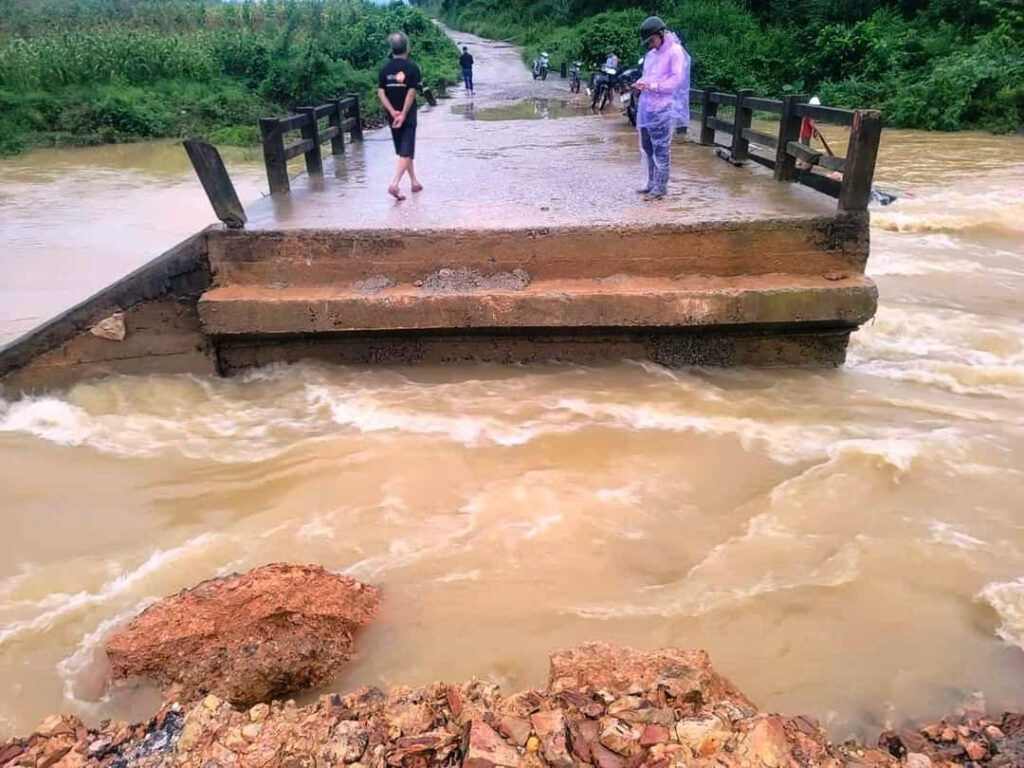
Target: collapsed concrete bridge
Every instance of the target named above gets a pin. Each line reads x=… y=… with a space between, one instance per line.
x=525 y=248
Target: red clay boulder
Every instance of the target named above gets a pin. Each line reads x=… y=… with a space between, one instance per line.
x=247 y=637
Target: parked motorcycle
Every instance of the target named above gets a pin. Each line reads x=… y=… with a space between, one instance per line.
x=574 y=76
x=609 y=83
x=540 y=66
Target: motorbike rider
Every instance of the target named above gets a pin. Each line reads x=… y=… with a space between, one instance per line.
x=664 y=102
x=611 y=64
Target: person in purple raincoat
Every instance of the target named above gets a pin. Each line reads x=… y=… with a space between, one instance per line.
x=664 y=102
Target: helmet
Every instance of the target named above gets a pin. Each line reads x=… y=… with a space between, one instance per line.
x=815 y=101
x=652 y=25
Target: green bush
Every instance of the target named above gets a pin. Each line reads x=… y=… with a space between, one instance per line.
x=83 y=71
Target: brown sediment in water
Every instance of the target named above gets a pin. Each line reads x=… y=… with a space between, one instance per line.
x=603 y=706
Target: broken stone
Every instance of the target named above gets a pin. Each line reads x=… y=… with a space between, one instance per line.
x=619 y=737
x=484 y=748
x=550 y=728
x=515 y=729
x=918 y=760
x=247 y=638
x=111 y=328
x=766 y=742
x=653 y=734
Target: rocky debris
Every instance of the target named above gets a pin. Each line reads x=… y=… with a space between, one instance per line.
x=675 y=712
x=111 y=328
x=375 y=284
x=247 y=637
x=462 y=279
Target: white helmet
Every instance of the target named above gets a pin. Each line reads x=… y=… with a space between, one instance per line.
x=815 y=101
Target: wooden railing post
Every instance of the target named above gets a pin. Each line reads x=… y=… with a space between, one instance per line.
x=707 y=109
x=789 y=130
x=273 y=154
x=741 y=119
x=209 y=167
x=335 y=119
x=357 y=129
x=855 y=193
x=311 y=132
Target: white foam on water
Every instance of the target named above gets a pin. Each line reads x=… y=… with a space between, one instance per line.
x=988 y=203
x=89 y=653
x=60 y=607
x=956 y=351
x=1007 y=599
x=948 y=534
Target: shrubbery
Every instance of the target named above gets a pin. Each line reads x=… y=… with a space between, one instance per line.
x=934 y=64
x=90 y=71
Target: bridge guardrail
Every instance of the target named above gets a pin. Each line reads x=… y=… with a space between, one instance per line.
x=857 y=168
x=342 y=117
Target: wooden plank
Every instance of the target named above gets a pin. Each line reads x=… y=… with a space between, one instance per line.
x=723 y=99
x=764 y=139
x=348 y=124
x=311 y=132
x=865 y=134
x=708 y=110
x=823 y=184
x=274 y=156
x=741 y=121
x=216 y=183
x=696 y=94
x=719 y=125
x=329 y=133
x=833 y=163
x=767 y=162
x=296 y=148
x=765 y=105
x=293 y=123
x=789 y=130
x=347 y=103
x=803 y=152
x=830 y=115
x=324 y=110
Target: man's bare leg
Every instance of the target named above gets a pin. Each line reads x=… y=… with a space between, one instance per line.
x=400 y=170
x=416 y=186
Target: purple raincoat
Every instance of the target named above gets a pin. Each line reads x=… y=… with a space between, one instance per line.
x=667 y=71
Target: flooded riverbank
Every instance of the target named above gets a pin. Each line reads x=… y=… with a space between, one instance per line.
x=847 y=543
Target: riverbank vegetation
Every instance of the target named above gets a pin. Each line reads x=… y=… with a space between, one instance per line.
x=933 y=64
x=95 y=71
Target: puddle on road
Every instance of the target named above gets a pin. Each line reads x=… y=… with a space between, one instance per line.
x=529 y=109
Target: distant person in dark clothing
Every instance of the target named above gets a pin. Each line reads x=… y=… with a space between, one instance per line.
x=397 y=84
x=466 y=62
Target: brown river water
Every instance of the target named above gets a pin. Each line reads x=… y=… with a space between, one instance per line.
x=847 y=544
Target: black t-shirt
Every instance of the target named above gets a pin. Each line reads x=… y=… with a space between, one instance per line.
x=396 y=78
x=466 y=60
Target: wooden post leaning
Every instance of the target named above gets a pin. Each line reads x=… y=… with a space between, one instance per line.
x=865 y=133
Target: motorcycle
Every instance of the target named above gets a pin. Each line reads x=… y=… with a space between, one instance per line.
x=632 y=101
x=609 y=82
x=540 y=66
x=574 y=77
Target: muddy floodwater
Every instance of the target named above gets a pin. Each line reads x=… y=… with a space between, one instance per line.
x=847 y=544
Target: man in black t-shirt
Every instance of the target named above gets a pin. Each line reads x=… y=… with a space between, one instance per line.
x=466 y=62
x=397 y=84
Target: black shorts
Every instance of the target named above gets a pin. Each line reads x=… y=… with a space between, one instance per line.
x=405 y=140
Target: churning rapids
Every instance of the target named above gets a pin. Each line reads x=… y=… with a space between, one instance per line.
x=847 y=543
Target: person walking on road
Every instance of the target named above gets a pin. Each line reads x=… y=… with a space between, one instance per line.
x=466 y=62
x=397 y=84
x=664 y=102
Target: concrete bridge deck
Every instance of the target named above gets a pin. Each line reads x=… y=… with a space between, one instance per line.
x=528 y=244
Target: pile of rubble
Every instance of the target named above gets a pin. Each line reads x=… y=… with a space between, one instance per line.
x=603 y=706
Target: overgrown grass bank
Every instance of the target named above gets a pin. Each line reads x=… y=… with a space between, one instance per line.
x=933 y=64
x=94 y=71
